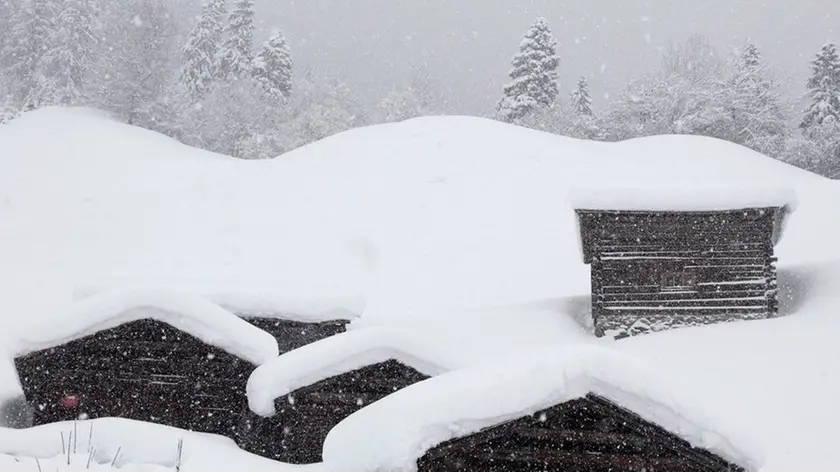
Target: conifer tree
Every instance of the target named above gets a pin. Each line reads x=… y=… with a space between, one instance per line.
x=237 y=53
x=30 y=24
x=137 y=69
x=581 y=98
x=70 y=52
x=823 y=89
x=199 y=70
x=534 y=75
x=273 y=68
x=755 y=116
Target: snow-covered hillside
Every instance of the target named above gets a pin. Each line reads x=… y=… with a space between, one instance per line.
x=438 y=224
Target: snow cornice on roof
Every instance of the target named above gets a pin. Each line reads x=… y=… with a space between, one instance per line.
x=394 y=432
x=191 y=314
x=337 y=355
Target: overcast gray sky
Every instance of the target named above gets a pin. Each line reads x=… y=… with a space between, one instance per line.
x=466 y=45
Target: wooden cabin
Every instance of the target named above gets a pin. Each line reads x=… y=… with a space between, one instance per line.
x=144 y=370
x=296 y=433
x=655 y=270
x=589 y=434
x=150 y=371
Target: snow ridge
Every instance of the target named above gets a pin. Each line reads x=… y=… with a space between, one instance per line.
x=337 y=355
x=191 y=314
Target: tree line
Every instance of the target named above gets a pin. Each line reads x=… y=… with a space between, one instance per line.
x=203 y=80
x=694 y=91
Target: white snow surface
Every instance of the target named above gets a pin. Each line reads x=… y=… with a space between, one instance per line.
x=407 y=423
x=337 y=355
x=137 y=447
x=411 y=218
x=460 y=230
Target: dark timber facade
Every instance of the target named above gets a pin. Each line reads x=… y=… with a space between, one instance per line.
x=589 y=434
x=150 y=371
x=297 y=432
x=655 y=270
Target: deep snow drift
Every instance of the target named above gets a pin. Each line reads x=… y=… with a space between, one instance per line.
x=460 y=229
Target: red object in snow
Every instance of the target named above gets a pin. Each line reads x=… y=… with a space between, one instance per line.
x=70 y=401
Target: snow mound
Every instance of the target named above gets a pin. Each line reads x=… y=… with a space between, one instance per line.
x=407 y=423
x=210 y=323
x=337 y=355
x=421 y=216
x=131 y=445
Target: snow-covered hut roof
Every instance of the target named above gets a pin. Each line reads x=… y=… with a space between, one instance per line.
x=393 y=433
x=339 y=354
x=703 y=197
x=191 y=314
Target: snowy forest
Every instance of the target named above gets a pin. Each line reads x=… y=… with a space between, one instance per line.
x=204 y=80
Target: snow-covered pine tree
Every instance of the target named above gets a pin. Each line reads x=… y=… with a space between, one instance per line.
x=237 y=54
x=823 y=89
x=534 y=75
x=139 y=67
x=199 y=70
x=581 y=98
x=70 y=52
x=30 y=25
x=755 y=116
x=273 y=68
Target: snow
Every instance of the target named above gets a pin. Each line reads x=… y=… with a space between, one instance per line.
x=188 y=313
x=337 y=355
x=137 y=446
x=466 y=401
x=458 y=230
x=703 y=197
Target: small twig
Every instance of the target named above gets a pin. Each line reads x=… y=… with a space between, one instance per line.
x=90 y=437
x=115 y=456
x=75 y=436
x=69 y=440
x=180 y=452
x=62 y=442
x=90 y=456
x=38 y=462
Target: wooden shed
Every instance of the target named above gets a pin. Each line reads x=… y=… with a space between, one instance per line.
x=659 y=269
x=159 y=360
x=302 y=394
x=589 y=434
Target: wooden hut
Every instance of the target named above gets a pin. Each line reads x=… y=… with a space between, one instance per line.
x=302 y=394
x=655 y=269
x=158 y=357
x=573 y=408
x=143 y=370
x=589 y=434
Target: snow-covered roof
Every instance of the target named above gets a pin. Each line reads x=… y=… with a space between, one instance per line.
x=338 y=354
x=393 y=433
x=703 y=197
x=191 y=314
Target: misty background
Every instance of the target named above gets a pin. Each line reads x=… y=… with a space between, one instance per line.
x=465 y=46
x=256 y=79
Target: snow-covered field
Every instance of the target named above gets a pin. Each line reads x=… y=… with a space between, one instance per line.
x=459 y=229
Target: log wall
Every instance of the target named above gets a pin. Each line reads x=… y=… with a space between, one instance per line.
x=589 y=434
x=296 y=434
x=654 y=271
